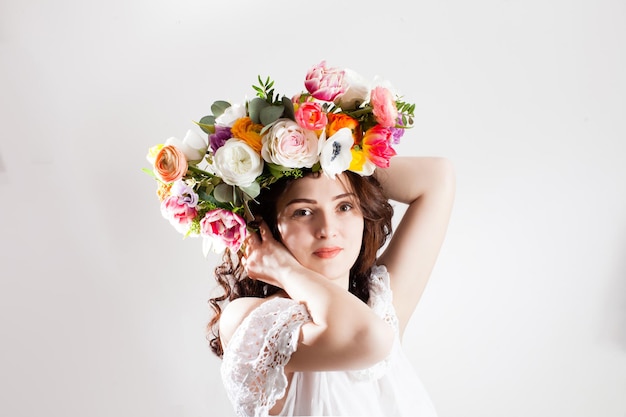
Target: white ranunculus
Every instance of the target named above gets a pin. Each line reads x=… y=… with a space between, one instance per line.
x=232 y=113
x=336 y=155
x=357 y=91
x=288 y=144
x=193 y=146
x=237 y=163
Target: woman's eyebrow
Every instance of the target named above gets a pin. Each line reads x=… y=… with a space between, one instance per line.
x=311 y=201
x=300 y=200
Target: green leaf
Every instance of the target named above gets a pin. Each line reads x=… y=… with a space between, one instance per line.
x=208 y=120
x=224 y=193
x=207 y=200
x=255 y=107
x=289 y=110
x=276 y=171
x=271 y=113
x=218 y=107
x=253 y=190
x=316 y=167
x=207 y=124
x=149 y=172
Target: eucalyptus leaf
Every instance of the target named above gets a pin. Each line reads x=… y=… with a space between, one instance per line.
x=219 y=107
x=289 y=110
x=223 y=193
x=208 y=120
x=207 y=200
x=255 y=107
x=252 y=190
x=207 y=124
x=271 y=113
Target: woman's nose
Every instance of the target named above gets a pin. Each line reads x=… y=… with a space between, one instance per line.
x=326 y=226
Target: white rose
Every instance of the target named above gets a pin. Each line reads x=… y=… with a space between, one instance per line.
x=193 y=146
x=232 y=113
x=286 y=143
x=237 y=163
x=357 y=91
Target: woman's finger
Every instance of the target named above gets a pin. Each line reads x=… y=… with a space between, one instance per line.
x=264 y=230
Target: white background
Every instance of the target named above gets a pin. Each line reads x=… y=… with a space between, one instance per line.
x=103 y=305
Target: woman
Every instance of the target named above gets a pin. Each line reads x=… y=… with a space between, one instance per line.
x=319 y=226
x=295 y=193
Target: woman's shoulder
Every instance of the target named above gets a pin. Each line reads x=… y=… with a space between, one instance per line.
x=235 y=313
x=238 y=310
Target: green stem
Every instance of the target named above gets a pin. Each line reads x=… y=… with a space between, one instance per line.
x=200 y=171
x=359 y=112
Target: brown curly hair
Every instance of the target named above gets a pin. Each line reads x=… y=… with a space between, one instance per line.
x=230 y=274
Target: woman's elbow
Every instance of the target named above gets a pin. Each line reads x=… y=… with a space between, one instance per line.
x=375 y=342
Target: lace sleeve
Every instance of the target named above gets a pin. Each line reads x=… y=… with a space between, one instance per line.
x=254 y=359
x=381 y=297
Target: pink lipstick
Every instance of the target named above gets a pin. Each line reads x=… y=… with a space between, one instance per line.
x=327 y=253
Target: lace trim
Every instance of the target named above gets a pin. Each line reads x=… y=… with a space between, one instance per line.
x=254 y=360
x=381 y=297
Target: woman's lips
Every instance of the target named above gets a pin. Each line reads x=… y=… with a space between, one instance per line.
x=327 y=252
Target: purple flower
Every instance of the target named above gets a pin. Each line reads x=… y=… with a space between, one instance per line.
x=397 y=132
x=221 y=135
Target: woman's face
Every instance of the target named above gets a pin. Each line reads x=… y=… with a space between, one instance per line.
x=321 y=224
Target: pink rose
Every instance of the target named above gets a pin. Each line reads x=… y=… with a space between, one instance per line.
x=311 y=116
x=288 y=144
x=324 y=83
x=224 y=226
x=384 y=107
x=178 y=212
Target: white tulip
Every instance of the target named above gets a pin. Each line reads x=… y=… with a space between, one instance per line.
x=357 y=91
x=232 y=113
x=193 y=146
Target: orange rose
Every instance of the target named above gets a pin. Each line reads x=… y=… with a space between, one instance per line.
x=249 y=132
x=337 y=121
x=170 y=164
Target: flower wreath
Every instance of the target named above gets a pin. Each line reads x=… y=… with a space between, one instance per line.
x=341 y=122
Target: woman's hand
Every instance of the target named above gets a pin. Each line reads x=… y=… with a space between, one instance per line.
x=344 y=332
x=265 y=258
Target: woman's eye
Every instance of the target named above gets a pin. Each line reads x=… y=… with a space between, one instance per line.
x=301 y=213
x=345 y=207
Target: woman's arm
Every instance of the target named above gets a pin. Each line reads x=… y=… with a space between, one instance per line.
x=427 y=185
x=344 y=333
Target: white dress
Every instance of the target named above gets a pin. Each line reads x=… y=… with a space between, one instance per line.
x=253 y=368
